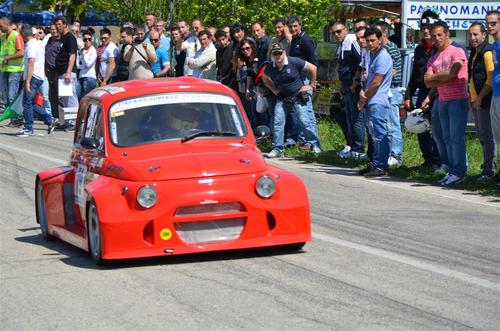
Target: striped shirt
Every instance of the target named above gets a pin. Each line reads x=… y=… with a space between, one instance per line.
x=456 y=88
x=395 y=54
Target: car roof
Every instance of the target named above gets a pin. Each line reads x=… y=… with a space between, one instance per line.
x=134 y=88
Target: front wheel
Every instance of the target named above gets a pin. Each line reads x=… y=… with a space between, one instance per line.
x=94 y=234
x=40 y=212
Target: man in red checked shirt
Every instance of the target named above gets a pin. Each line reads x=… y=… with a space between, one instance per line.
x=11 y=63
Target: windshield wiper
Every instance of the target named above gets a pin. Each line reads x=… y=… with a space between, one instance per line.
x=208 y=134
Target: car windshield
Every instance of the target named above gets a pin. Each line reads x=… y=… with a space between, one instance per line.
x=172 y=116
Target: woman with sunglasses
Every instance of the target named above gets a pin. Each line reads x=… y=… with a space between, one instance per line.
x=87 y=60
x=245 y=68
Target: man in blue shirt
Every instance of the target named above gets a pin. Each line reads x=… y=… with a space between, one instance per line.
x=373 y=99
x=493 y=25
x=162 y=65
x=283 y=78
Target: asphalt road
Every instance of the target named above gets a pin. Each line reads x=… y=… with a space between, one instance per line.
x=386 y=255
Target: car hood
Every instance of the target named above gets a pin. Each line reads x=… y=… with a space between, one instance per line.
x=183 y=161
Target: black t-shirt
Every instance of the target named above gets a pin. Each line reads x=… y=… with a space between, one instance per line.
x=68 y=46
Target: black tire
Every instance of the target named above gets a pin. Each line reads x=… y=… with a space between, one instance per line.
x=94 y=234
x=41 y=216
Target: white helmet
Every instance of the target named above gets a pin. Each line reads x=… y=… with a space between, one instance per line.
x=416 y=122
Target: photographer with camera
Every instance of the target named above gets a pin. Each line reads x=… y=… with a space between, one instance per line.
x=140 y=56
x=283 y=78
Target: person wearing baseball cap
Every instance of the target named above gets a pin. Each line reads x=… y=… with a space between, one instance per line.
x=283 y=78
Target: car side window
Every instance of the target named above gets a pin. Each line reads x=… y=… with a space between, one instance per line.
x=90 y=124
x=80 y=124
x=94 y=125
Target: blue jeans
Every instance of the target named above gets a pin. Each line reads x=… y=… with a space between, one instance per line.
x=9 y=87
x=28 y=100
x=280 y=115
x=45 y=92
x=394 y=124
x=87 y=84
x=437 y=132
x=377 y=126
x=355 y=128
x=453 y=118
x=310 y=109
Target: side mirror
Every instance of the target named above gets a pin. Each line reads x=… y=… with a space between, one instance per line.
x=261 y=132
x=89 y=143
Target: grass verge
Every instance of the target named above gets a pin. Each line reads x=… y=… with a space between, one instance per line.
x=332 y=140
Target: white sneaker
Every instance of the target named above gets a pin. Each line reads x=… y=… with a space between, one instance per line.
x=26 y=133
x=453 y=180
x=316 y=150
x=273 y=154
x=345 y=153
x=392 y=162
x=359 y=156
x=444 y=179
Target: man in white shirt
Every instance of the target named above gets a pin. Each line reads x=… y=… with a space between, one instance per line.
x=203 y=61
x=189 y=43
x=107 y=64
x=34 y=60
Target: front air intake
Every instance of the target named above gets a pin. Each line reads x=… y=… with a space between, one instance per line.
x=202 y=232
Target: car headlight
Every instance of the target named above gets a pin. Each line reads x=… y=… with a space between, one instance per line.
x=265 y=187
x=147 y=196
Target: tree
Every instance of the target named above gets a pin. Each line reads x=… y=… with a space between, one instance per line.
x=219 y=12
x=72 y=10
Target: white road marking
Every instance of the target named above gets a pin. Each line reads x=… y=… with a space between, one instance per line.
x=411 y=262
x=38 y=155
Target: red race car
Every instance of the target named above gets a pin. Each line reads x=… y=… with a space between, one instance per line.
x=168 y=166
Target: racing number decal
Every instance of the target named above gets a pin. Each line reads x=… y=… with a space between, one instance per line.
x=165 y=234
x=81 y=173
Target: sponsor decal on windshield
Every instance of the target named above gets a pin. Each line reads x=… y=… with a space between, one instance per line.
x=170 y=98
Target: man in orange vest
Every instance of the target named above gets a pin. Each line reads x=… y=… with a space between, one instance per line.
x=11 y=62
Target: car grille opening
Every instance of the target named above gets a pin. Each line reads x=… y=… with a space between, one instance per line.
x=201 y=232
x=210 y=208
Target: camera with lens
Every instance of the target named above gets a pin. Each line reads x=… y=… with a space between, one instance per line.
x=303 y=97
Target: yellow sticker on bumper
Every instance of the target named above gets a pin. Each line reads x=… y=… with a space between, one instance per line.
x=165 y=234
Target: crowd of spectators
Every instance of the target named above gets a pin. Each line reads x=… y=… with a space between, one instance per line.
x=275 y=79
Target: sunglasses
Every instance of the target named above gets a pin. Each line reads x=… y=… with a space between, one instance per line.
x=246 y=48
x=155 y=40
x=87 y=39
x=492 y=23
x=338 y=31
x=277 y=53
x=104 y=38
